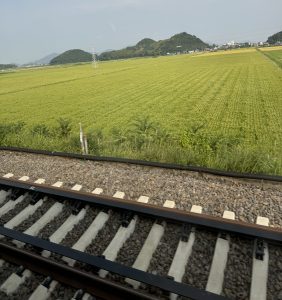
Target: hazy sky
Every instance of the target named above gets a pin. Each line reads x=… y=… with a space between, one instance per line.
x=31 y=29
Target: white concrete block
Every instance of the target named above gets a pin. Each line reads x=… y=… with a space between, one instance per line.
x=3 y=195
x=97 y=191
x=24 y=178
x=89 y=235
x=39 y=181
x=216 y=275
x=260 y=269
x=144 y=257
x=262 y=221
x=180 y=259
x=11 y=205
x=23 y=215
x=196 y=209
x=58 y=184
x=143 y=199
x=9 y=175
x=77 y=187
x=12 y=283
x=87 y=296
x=64 y=229
x=43 y=293
x=35 y=228
x=169 y=204
x=117 y=242
x=229 y=215
x=119 y=195
x=259 y=276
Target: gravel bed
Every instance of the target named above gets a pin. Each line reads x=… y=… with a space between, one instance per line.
x=37 y=215
x=216 y=194
x=28 y=287
x=13 y=212
x=274 y=285
x=62 y=292
x=105 y=235
x=238 y=272
x=51 y=227
x=199 y=263
x=165 y=251
x=80 y=228
x=133 y=245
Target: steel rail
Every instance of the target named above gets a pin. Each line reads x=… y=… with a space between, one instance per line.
x=272 y=235
x=101 y=263
x=149 y=164
x=70 y=276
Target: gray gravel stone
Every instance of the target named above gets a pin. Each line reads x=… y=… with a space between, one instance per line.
x=274 y=285
x=199 y=263
x=238 y=272
x=216 y=194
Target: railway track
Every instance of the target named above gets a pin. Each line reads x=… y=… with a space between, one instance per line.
x=59 y=243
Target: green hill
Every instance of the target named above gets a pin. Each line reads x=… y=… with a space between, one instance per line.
x=277 y=37
x=181 y=42
x=71 y=56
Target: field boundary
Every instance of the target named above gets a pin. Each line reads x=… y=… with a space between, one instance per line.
x=277 y=63
x=148 y=164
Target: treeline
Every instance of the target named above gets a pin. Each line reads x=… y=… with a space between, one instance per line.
x=7 y=66
x=71 y=56
x=182 y=42
x=147 y=140
x=275 y=38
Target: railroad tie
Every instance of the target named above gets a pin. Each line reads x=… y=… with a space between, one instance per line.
x=91 y=232
x=145 y=255
x=65 y=228
x=260 y=266
x=23 y=215
x=14 y=281
x=3 y=196
x=216 y=275
x=121 y=236
x=182 y=254
x=11 y=204
x=43 y=291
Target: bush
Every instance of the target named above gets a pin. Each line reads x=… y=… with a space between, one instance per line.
x=40 y=129
x=64 y=128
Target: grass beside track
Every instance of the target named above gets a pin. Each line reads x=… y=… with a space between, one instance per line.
x=220 y=110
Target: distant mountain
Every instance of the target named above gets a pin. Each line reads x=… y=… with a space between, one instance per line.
x=181 y=42
x=46 y=59
x=42 y=61
x=71 y=56
x=275 y=38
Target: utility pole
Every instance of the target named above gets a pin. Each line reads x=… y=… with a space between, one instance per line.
x=94 y=59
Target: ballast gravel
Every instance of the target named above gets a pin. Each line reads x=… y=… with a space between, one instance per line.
x=274 y=285
x=200 y=260
x=247 y=199
x=238 y=272
x=13 y=212
x=36 y=216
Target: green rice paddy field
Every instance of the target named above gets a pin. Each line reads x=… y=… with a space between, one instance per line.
x=225 y=95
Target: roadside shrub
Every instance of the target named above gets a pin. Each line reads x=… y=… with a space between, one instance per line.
x=64 y=127
x=40 y=129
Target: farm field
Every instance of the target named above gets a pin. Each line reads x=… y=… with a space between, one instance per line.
x=199 y=103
